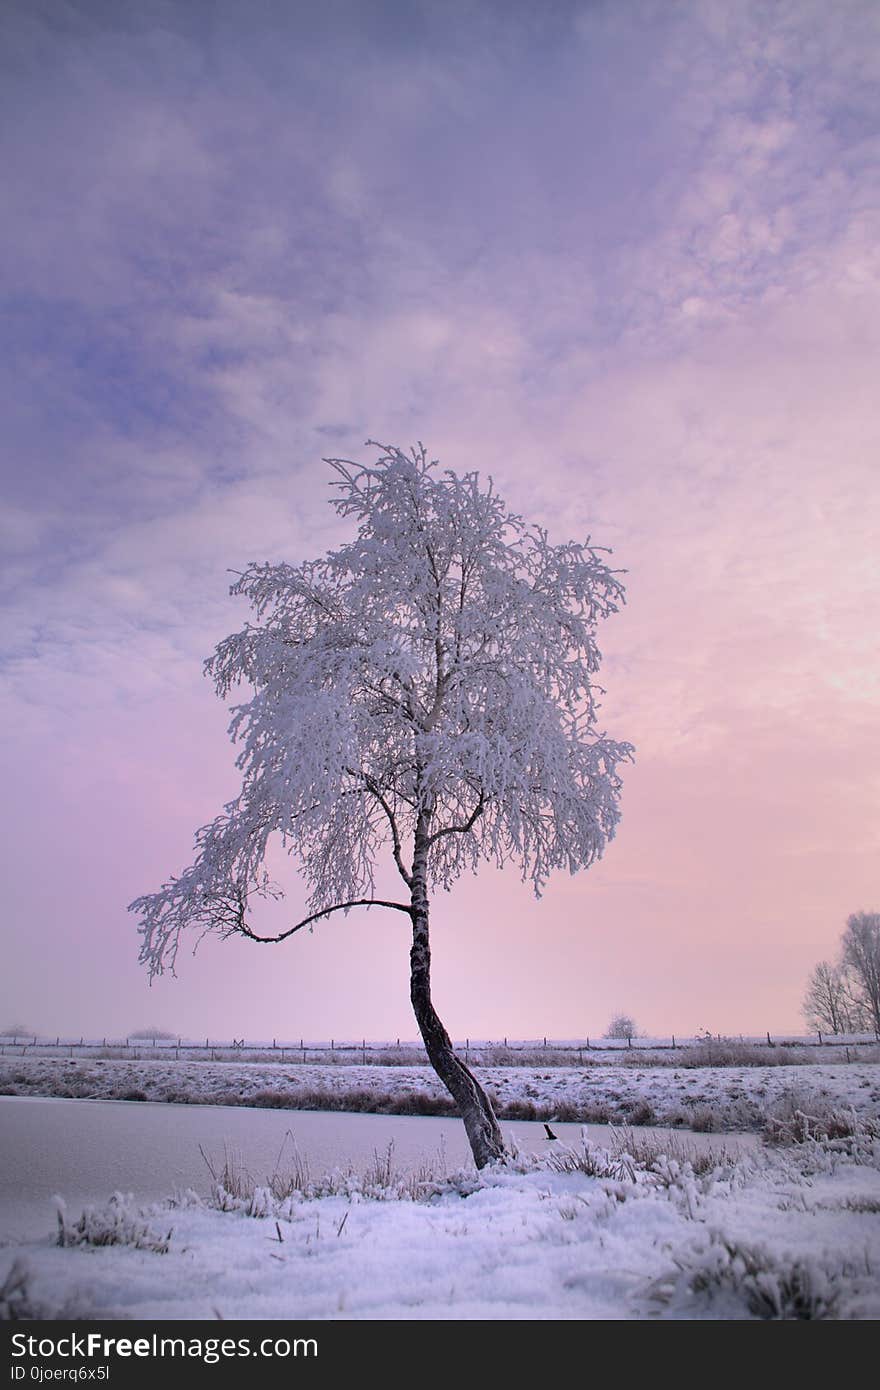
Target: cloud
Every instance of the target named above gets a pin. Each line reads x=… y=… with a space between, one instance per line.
x=622 y=257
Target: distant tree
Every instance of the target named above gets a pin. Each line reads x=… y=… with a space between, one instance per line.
x=827 y=1003
x=860 y=954
x=152 y=1034
x=428 y=687
x=621 y=1026
x=16 y=1030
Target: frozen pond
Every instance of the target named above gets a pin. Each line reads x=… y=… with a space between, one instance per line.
x=86 y=1149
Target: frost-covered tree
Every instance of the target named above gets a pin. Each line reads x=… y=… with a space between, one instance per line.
x=621 y=1026
x=860 y=955
x=827 y=1002
x=426 y=691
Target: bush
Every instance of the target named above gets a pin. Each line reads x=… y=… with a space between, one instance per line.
x=798 y=1118
x=621 y=1026
x=767 y=1286
x=113 y=1224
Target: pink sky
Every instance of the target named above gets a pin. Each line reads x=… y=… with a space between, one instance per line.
x=623 y=258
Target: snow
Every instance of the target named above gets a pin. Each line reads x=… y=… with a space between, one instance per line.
x=709 y=1097
x=790 y=1232
x=780 y=1231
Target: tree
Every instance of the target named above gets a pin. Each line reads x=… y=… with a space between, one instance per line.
x=427 y=690
x=621 y=1026
x=827 y=1004
x=860 y=954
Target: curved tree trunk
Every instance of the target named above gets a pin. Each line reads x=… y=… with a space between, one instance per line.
x=473 y=1104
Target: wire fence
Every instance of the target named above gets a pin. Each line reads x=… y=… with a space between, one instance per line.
x=400 y=1052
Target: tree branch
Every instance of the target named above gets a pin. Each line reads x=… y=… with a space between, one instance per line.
x=245 y=930
x=461 y=829
x=395 y=836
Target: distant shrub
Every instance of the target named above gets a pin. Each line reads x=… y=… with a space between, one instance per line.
x=418 y=1103
x=519 y=1110
x=703 y=1119
x=733 y=1052
x=640 y=1113
x=272 y=1100
x=621 y=1026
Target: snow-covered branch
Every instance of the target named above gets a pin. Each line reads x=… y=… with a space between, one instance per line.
x=245 y=930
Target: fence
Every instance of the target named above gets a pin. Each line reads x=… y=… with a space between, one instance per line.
x=303 y=1051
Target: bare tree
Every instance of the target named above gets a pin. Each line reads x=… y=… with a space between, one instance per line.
x=860 y=945
x=425 y=689
x=827 y=1003
x=621 y=1026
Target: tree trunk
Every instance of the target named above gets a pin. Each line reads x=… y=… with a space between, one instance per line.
x=473 y=1104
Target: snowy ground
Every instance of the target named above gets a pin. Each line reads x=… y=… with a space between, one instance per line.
x=713 y=1098
x=792 y=1232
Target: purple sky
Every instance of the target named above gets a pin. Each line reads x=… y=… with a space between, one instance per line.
x=622 y=256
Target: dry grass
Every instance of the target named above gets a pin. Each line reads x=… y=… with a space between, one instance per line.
x=767 y=1287
x=631 y=1152
x=234 y=1187
x=115 y=1223
x=798 y=1118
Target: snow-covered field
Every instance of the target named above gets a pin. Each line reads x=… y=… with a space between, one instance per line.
x=713 y=1098
x=793 y=1232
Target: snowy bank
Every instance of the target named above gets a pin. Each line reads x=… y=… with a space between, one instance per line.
x=711 y=1098
x=791 y=1233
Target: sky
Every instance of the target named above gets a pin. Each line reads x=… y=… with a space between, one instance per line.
x=621 y=256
